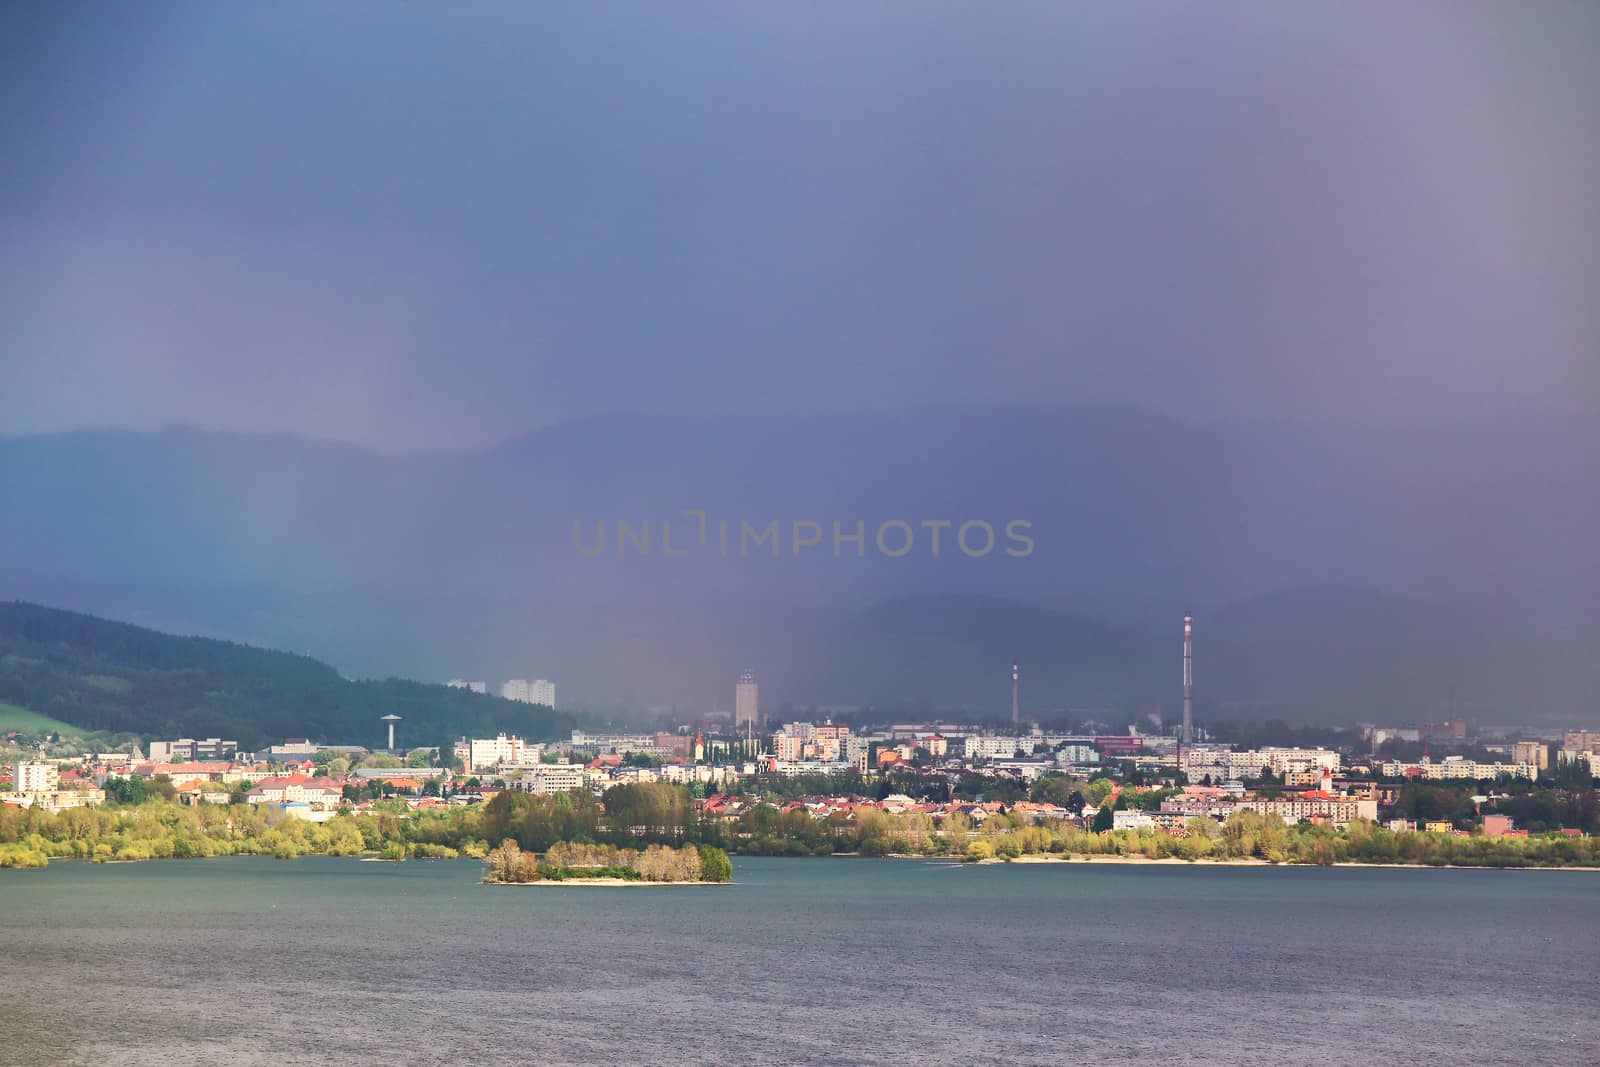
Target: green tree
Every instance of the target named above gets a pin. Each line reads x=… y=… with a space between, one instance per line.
x=715 y=865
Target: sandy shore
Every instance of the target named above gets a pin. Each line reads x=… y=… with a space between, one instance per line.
x=601 y=881
x=1137 y=859
x=1252 y=862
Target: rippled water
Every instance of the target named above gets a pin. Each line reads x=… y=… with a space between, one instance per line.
x=243 y=962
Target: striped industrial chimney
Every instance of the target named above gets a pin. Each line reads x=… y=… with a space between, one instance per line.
x=1188 y=679
x=1016 y=676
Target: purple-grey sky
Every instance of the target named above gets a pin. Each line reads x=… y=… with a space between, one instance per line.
x=415 y=225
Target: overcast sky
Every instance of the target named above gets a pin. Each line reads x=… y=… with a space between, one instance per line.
x=411 y=226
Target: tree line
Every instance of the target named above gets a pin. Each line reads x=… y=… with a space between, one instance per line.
x=566 y=860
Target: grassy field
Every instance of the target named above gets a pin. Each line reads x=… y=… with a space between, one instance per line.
x=15 y=718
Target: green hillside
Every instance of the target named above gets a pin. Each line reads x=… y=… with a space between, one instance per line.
x=100 y=675
x=30 y=722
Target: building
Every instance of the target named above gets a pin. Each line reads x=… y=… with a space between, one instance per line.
x=1027 y=768
x=462 y=683
x=1581 y=741
x=792 y=768
x=57 y=800
x=1535 y=754
x=538 y=691
x=1498 y=825
x=1075 y=753
x=549 y=779
x=187 y=748
x=828 y=743
x=1219 y=764
x=28 y=776
x=1456 y=767
x=1117 y=747
x=680 y=745
x=614 y=744
x=486 y=753
x=1309 y=808
x=746 y=703
x=1130 y=819
x=322 y=794
x=985 y=746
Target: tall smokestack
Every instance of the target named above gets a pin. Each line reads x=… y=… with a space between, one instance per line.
x=1188 y=679
x=1016 y=676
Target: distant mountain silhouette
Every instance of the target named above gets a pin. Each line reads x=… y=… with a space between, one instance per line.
x=464 y=564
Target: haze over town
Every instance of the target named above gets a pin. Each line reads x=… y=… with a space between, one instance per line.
x=1284 y=321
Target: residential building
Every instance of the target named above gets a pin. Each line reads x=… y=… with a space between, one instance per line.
x=1027 y=768
x=1535 y=754
x=462 y=683
x=995 y=746
x=790 y=768
x=827 y=743
x=1220 y=764
x=490 y=752
x=549 y=779
x=1311 y=807
x=30 y=776
x=1131 y=819
x=1581 y=741
x=1455 y=767
x=1074 y=752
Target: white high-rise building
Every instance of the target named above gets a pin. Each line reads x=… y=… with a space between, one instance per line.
x=485 y=753
x=538 y=691
x=746 y=702
x=462 y=683
x=32 y=777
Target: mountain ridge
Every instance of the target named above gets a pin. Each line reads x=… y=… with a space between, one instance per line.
x=463 y=564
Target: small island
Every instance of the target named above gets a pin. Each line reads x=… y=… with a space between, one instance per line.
x=575 y=863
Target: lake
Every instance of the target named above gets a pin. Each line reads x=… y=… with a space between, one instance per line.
x=245 y=962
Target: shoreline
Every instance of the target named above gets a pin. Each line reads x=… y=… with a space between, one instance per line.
x=600 y=882
x=1255 y=862
x=1136 y=860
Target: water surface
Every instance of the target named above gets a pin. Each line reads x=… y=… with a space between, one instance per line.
x=249 y=962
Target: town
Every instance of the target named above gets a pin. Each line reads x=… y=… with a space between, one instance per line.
x=957 y=781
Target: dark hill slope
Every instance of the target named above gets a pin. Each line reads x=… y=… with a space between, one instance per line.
x=103 y=675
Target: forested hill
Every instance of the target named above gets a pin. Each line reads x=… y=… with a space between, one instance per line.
x=102 y=675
